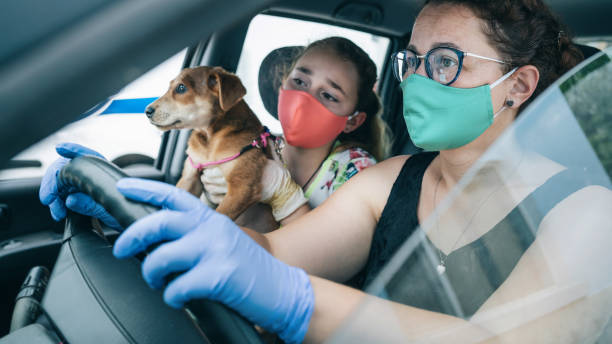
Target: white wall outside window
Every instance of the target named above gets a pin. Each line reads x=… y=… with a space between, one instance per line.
x=112 y=135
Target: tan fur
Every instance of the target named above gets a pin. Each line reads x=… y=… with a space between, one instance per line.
x=222 y=124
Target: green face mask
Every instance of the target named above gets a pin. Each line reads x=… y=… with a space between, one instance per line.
x=441 y=117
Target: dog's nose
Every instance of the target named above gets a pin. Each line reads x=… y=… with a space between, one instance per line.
x=149 y=111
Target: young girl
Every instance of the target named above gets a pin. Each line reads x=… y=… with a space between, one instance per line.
x=329 y=114
x=325 y=151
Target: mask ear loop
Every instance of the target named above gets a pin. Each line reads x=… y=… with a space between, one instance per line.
x=509 y=102
x=504 y=77
x=350 y=117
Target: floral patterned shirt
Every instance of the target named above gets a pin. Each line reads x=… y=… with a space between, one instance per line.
x=335 y=171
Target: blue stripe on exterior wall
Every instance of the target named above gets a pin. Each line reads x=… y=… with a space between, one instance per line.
x=136 y=105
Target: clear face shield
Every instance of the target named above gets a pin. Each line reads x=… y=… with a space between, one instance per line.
x=524 y=238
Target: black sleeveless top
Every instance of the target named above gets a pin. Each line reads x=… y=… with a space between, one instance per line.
x=474 y=271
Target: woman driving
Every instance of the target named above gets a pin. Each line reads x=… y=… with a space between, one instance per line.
x=468 y=70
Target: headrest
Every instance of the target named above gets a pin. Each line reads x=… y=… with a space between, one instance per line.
x=587 y=50
x=271 y=72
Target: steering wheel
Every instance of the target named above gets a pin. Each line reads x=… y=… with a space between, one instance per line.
x=111 y=292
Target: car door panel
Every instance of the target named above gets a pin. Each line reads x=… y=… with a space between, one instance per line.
x=30 y=237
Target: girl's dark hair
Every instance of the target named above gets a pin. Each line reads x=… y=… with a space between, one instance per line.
x=525 y=32
x=373 y=134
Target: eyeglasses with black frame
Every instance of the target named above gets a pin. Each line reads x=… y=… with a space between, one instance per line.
x=442 y=64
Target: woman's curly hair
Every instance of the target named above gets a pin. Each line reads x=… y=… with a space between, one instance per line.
x=525 y=32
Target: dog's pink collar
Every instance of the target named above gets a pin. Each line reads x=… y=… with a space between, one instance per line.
x=199 y=166
x=261 y=141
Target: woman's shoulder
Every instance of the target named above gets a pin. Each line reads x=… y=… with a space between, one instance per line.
x=394 y=162
x=411 y=164
x=589 y=208
x=388 y=169
x=374 y=184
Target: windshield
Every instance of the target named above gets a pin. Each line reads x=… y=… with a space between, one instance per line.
x=116 y=127
x=461 y=263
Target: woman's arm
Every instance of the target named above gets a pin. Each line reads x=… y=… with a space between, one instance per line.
x=559 y=292
x=333 y=240
x=296 y=214
x=569 y=303
x=360 y=317
x=349 y=315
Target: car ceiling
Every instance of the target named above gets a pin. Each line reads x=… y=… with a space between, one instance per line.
x=584 y=17
x=56 y=56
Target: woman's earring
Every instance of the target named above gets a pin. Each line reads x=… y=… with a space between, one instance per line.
x=509 y=102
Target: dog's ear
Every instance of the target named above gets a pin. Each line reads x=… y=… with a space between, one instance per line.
x=228 y=86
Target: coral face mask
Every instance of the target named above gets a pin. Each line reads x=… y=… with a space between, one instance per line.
x=440 y=117
x=306 y=122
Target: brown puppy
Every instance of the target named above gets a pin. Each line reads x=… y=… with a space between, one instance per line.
x=209 y=101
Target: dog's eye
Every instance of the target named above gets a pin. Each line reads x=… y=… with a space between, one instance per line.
x=212 y=80
x=181 y=89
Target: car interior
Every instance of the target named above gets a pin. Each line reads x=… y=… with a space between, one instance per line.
x=66 y=57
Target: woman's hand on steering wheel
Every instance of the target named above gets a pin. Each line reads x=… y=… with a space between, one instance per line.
x=59 y=197
x=216 y=260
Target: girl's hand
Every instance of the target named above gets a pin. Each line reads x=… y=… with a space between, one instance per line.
x=280 y=191
x=215 y=185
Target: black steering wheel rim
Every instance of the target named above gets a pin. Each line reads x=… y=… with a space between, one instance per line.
x=97 y=177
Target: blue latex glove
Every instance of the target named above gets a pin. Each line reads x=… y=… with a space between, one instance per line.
x=218 y=260
x=59 y=197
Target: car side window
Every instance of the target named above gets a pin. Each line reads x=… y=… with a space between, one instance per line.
x=267 y=32
x=601 y=43
x=117 y=127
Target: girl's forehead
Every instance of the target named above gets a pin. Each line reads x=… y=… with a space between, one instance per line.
x=326 y=63
x=455 y=24
x=322 y=53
